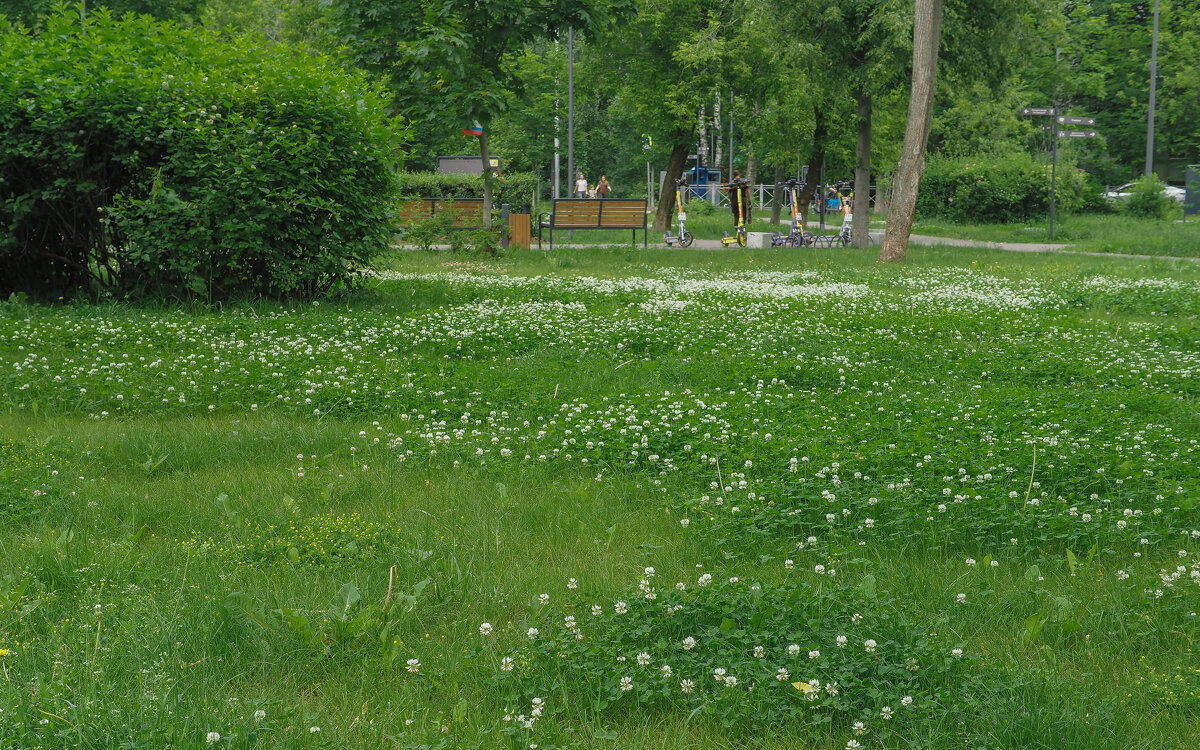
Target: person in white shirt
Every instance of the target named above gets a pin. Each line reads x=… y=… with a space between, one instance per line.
x=581 y=186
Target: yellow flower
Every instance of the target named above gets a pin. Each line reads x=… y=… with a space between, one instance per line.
x=4 y=652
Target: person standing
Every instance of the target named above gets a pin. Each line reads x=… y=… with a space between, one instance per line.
x=581 y=186
x=602 y=188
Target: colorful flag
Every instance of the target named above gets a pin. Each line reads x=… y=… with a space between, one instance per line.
x=475 y=129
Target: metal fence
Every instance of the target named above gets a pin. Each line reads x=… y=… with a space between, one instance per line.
x=761 y=195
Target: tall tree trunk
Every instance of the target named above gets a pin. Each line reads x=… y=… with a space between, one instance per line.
x=702 y=151
x=666 y=201
x=777 y=201
x=861 y=231
x=751 y=167
x=820 y=131
x=927 y=34
x=487 y=179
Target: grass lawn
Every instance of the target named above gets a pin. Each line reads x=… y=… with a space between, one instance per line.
x=612 y=498
x=1089 y=233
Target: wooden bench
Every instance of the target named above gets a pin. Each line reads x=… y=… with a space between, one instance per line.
x=465 y=213
x=600 y=213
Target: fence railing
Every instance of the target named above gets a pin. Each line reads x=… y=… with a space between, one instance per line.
x=761 y=195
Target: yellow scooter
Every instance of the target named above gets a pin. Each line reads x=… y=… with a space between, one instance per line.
x=737 y=192
x=684 y=238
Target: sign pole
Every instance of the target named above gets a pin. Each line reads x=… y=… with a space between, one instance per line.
x=1053 y=180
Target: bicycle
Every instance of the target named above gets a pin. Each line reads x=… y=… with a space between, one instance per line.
x=684 y=238
x=737 y=195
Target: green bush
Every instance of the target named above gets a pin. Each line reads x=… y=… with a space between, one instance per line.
x=141 y=159
x=516 y=188
x=995 y=189
x=1147 y=200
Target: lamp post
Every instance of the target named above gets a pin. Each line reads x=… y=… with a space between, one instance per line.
x=571 y=109
x=1153 y=86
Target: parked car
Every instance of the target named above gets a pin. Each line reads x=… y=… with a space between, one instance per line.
x=1123 y=192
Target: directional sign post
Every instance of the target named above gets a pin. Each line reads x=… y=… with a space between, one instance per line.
x=1061 y=121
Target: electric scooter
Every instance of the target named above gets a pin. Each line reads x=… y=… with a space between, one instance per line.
x=684 y=238
x=737 y=195
x=797 y=236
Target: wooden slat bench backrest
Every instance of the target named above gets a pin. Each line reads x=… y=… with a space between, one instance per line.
x=623 y=214
x=464 y=212
x=576 y=212
x=413 y=211
x=579 y=213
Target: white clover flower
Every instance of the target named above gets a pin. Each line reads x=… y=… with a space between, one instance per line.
x=819 y=569
x=906 y=700
x=730 y=681
x=506 y=664
x=962 y=598
x=856 y=618
x=793 y=649
x=759 y=652
x=689 y=643
x=841 y=641
x=532 y=633
x=626 y=684
x=970 y=562
x=649 y=572
x=684 y=522
x=414 y=666
x=259 y=715
x=704 y=580
x=719 y=674
x=788 y=564
x=543 y=599
x=666 y=670
x=885 y=713
x=313 y=730
x=572 y=584
x=814 y=654
x=782 y=675
x=956 y=653
x=597 y=610
x=211 y=737
x=621 y=608
x=485 y=628
x=643 y=659
x=686 y=686
x=859 y=728
x=869 y=645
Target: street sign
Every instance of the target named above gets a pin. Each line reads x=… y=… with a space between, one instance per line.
x=1077 y=121
x=647 y=142
x=1077 y=134
x=1040 y=111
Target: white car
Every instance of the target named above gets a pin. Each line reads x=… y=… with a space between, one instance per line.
x=1122 y=193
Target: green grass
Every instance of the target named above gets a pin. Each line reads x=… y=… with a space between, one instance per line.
x=276 y=507
x=1087 y=233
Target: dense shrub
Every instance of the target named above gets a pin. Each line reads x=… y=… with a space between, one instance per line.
x=516 y=188
x=995 y=189
x=1147 y=200
x=138 y=158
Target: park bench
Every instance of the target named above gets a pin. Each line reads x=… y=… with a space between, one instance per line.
x=464 y=213
x=600 y=213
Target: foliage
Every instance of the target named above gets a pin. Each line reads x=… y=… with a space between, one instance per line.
x=998 y=188
x=142 y=159
x=747 y=653
x=34 y=13
x=1148 y=200
x=514 y=188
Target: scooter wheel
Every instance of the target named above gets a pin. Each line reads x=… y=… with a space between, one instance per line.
x=741 y=239
x=686 y=240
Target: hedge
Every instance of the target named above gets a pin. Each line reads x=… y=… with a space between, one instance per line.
x=141 y=159
x=996 y=189
x=515 y=188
